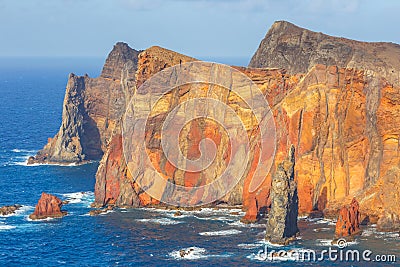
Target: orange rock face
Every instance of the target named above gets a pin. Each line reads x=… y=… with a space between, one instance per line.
x=348 y=222
x=48 y=206
x=343 y=122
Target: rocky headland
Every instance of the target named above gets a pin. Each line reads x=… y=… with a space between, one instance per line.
x=336 y=100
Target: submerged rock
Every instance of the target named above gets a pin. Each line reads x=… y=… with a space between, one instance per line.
x=390 y=222
x=48 y=206
x=101 y=211
x=349 y=219
x=282 y=223
x=7 y=210
x=184 y=252
x=177 y=214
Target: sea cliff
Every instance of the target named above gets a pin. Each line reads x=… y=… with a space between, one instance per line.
x=336 y=100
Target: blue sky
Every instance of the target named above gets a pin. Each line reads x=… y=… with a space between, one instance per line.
x=200 y=28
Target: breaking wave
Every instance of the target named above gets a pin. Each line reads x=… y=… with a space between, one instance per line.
x=221 y=233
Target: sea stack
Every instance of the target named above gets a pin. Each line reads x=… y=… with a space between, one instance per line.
x=48 y=206
x=282 y=222
x=348 y=222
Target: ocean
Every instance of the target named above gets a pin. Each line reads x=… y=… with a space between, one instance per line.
x=32 y=92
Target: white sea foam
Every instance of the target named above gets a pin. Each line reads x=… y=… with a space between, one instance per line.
x=25 y=163
x=162 y=221
x=208 y=213
x=213 y=218
x=4 y=227
x=40 y=220
x=247 y=225
x=328 y=243
x=321 y=229
x=79 y=197
x=216 y=211
x=321 y=221
x=372 y=231
x=193 y=253
x=269 y=244
x=107 y=212
x=250 y=246
x=221 y=233
x=324 y=242
x=17 y=150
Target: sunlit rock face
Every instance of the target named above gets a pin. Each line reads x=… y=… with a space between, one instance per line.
x=342 y=120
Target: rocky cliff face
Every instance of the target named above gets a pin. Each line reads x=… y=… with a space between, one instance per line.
x=114 y=183
x=90 y=110
x=297 y=50
x=342 y=121
x=344 y=124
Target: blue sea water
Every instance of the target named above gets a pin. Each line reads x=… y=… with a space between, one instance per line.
x=31 y=93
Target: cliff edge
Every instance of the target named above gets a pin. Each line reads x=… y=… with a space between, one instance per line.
x=297 y=50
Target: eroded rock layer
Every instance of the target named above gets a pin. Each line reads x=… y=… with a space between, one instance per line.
x=344 y=124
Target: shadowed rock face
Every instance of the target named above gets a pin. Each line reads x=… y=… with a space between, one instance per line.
x=90 y=110
x=48 y=206
x=297 y=50
x=282 y=219
x=120 y=63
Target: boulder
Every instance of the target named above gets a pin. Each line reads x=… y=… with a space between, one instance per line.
x=8 y=210
x=48 y=206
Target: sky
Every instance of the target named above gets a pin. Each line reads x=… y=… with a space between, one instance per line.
x=199 y=28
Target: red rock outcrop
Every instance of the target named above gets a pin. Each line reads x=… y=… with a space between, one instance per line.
x=348 y=222
x=48 y=206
